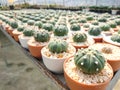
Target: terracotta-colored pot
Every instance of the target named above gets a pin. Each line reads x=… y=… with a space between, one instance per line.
x=100 y=39
x=16 y=34
x=75 y=85
x=35 y=48
x=10 y=30
x=79 y=46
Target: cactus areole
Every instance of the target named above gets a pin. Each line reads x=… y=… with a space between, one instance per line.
x=58 y=46
x=90 y=61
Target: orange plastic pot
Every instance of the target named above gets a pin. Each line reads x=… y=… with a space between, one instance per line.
x=115 y=64
x=16 y=34
x=35 y=49
x=75 y=85
x=10 y=31
x=98 y=39
x=79 y=47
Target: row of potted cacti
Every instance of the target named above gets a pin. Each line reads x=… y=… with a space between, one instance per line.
x=56 y=41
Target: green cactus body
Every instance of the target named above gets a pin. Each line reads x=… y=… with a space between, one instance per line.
x=39 y=24
x=89 y=61
x=117 y=21
x=95 y=23
x=30 y=22
x=112 y=24
x=14 y=24
x=94 y=31
x=79 y=37
x=115 y=38
x=102 y=19
x=60 y=30
x=28 y=32
x=42 y=36
x=48 y=27
x=20 y=28
x=89 y=18
x=24 y=20
x=86 y=25
x=105 y=27
x=82 y=21
x=75 y=27
x=58 y=46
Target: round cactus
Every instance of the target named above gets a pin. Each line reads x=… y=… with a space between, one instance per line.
x=48 y=26
x=60 y=30
x=89 y=61
x=75 y=27
x=39 y=24
x=28 y=32
x=14 y=24
x=24 y=20
x=95 y=31
x=82 y=21
x=102 y=19
x=95 y=23
x=58 y=46
x=112 y=24
x=115 y=38
x=20 y=28
x=86 y=25
x=117 y=21
x=42 y=36
x=105 y=27
x=30 y=22
x=89 y=18
x=79 y=37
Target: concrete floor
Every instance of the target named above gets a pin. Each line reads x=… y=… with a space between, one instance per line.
x=17 y=72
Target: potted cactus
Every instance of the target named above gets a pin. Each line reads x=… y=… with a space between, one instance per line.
x=48 y=27
x=113 y=39
x=13 y=25
x=61 y=31
x=18 y=32
x=86 y=26
x=95 y=33
x=81 y=40
x=39 y=24
x=75 y=28
x=113 y=25
x=106 y=29
x=39 y=40
x=55 y=53
x=87 y=70
x=23 y=38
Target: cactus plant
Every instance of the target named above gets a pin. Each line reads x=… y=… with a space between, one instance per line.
x=79 y=37
x=94 y=31
x=20 y=28
x=117 y=21
x=90 y=61
x=102 y=19
x=89 y=18
x=24 y=20
x=86 y=25
x=95 y=23
x=39 y=24
x=112 y=24
x=115 y=38
x=14 y=24
x=30 y=22
x=42 y=36
x=28 y=32
x=105 y=27
x=48 y=27
x=75 y=27
x=60 y=30
x=82 y=21
x=58 y=46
